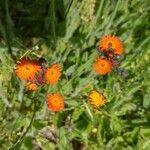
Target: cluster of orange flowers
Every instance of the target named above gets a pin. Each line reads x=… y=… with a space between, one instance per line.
x=110 y=48
x=36 y=73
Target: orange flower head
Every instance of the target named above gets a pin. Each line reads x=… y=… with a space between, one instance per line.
x=53 y=73
x=27 y=68
x=96 y=99
x=31 y=86
x=111 y=42
x=55 y=101
x=102 y=65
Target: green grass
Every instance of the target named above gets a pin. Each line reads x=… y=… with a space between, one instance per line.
x=68 y=32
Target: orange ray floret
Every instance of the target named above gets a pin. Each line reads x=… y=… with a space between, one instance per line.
x=55 y=101
x=102 y=65
x=96 y=99
x=53 y=73
x=111 y=42
x=27 y=68
x=31 y=86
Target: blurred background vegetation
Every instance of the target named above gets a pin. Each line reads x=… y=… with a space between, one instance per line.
x=67 y=31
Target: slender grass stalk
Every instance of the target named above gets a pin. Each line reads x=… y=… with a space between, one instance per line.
x=20 y=140
x=26 y=53
x=110 y=21
x=69 y=6
x=147 y=40
x=52 y=19
x=9 y=32
x=89 y=111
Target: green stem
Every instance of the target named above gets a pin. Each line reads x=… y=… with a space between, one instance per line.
x=8 y=29
x=103 y=113
x=68 y=8
x=18 y=143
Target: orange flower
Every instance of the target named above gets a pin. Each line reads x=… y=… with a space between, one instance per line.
x=113 y=42
x=27 y=68
x=31 y=86
x=55 y=101
x=102 y=65
x=96 y=99
x=53 y=73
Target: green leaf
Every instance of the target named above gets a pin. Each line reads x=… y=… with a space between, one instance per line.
x=146 y=101
x=28 y=142
x=76 y=114
x=116 y=125
x=63 y=139
x=134 y=134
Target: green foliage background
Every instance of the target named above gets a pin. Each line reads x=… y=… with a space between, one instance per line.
x=68 y=32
